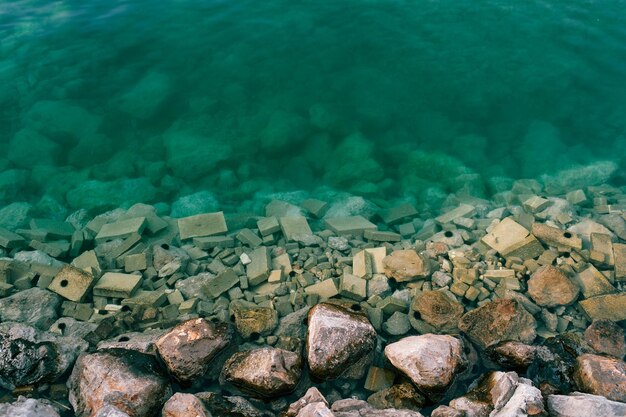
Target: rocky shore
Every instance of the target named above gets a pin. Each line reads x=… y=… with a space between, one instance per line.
x=503 y=308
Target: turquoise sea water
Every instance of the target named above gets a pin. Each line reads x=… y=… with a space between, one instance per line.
x=105 y=103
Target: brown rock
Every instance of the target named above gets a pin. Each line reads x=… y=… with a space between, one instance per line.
x=605 y=336
x=265 y=372
x=431 y=361
x=310 y=397
x=337 y=338
x=497 y=321
x=601 y=376
x=184 y=405
x=128 y=380
x=189 y=347
x=550 y=287
x=405 y=265
x=254 y=322
x=403 y=396
x=438 y=310
x=512 y=355
x=445 y=411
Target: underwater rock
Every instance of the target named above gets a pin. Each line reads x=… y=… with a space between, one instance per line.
x=184 y=405
x=283 y=130
x=337 y=338
x=438 y=309
x=28 y=149
x=264 y=372
x=196 y=203
x=28 y=407
x=512 y=355
x=430 y=361
x=101 y=195
x=232 y=406
x=401 y=396
x=30 y=356
x=145 y=98
x=191 y=155
x=15 y=215
x=358 y=408
x=34 y=306
x=255 y=321
x=445 y=411
x=61 y=121
x=188 y=348
x=499 y=320
x=110 y=411
x=128 y=380
x=12 y=183
x=312 y=396
x=405 y=265
x=579 y=177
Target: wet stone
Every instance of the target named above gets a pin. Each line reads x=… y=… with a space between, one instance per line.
x=35 y=307
x=593 y=283
x=600 y=375
x=606 y=337
x=256 y=321
x=184 y=405
x=605 y=307
x=584 y=405
x=316 y=208
x=294 y=226
x=221 y=283
x=264 y=372
x=117 y=285
x=512 y=355
x=550 y=287
x=430 y=361
x=188 y=349
x=71 y=283
x=259 y=268
x=121 y=229
x=29 y=407
x=438 y=310
x=336 y=339
x=499 y=320
x=128 y=380
x=402 y=396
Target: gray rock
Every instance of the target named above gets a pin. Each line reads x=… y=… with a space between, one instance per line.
x=111 y=411
x=128 y=380
x=265 y=372
x=398 y=324
x=29 y=356
x=336 y=339
x=232 y=406
x=338 y=243
x=37 y=257
x=35 y=307
x=315 y=410
x=430 y=361
x=28 y=407
x=291 y=324
x=358 y=408
x=141 y=342
x=578 y=404
x=310 y=397
x=615 y=223
x=15 y=215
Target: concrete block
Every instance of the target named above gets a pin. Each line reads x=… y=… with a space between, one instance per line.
x=56 y=249
x=349 y=225
x=282 y=261
x=294 y=226
x=535 y=204
x=268 y=226
x=380 y=236
x=88 y=261
x=136 y=262
x=121 y=229
x=399 y=214
x=619 y=253
x=605 y=307
x=505 y=235
x=276 y=276
x=353 y=287
x=390 y=305
x=602 y=243
x=406 y=230
x=576 y=197
x=201 y=225
x=556 y=237
x=463 y=210
x=249 y=238
x=117 y=285
x=369 y=261
x=72 y=283
x=528 y=248
x=143 y=298
x=55 y=229
x=316 y=208
x=324 y=289
x=593 y=283
x=214 y=242
x=10 y=240
x=259 y=268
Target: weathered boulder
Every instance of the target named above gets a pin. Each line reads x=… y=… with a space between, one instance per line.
x=188 y=348
x=128 y=380
x=438 y=310
x=512 y=355
x=28 y=407
x=405 y=265
x=184 y=405
x=499 y=320
x=550 y=287
x=264 y=372
x=600 y=375
x=34 y=306
x=605 y=336
x=337 y=338
x=430 y=361
x=29 y=356
x=577 y=404
x=402 y=396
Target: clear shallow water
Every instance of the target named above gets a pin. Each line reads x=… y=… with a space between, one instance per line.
x=407 y=99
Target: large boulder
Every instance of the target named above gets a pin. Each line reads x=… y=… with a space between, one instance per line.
x=131 y=381
x=264 y=372
x=188 y=348
x=577 y=404
x=499 y=320
x=34 y=306
x=29 y=356
x=337 y=338
x=550 y=287
x=600 y=375
x=430 y=361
